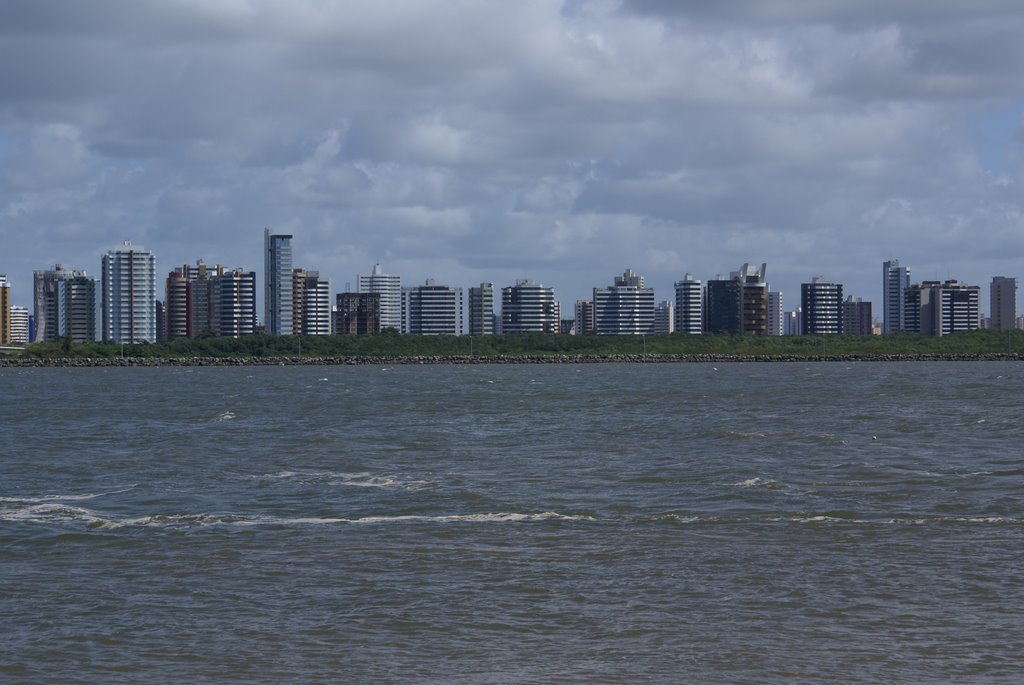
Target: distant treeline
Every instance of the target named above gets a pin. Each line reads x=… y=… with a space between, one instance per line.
x=389 y=344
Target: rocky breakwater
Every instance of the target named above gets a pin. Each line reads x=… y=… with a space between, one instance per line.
x=76 y=362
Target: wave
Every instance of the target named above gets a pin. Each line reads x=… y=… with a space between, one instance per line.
x=58 y=513
x=55 y=513
x=42 y=499
x=359 y=480
x=758 y=482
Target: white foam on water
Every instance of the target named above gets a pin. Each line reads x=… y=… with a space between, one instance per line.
x=499 y=517
x=225 y=416
x=63 y=498
x=759 y=482
x=343 y=478
x=56 y=513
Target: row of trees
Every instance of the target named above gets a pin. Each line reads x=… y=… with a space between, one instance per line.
x=394 y=344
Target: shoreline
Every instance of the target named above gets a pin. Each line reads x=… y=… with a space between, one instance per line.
x=364 y=360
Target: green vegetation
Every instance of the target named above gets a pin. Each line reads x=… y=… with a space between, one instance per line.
x=390 y=344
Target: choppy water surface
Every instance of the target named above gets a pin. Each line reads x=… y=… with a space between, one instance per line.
x=513 y=524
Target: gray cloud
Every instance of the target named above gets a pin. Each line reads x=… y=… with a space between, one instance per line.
x=480 y=141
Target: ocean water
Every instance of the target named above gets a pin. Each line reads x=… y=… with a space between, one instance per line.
x=662 y=523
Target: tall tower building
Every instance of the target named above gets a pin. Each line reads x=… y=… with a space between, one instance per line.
x=624 y=308
x=5 y=310
x=584 y=322
x=895 y=281
x=822 y=306
x=19 y=324
x=481 y=310
x=176 y=309
x=755 y=299
x=311 y=303
x=432 y=309
x=390 y=288
x=775 y=313
x=1003 y=302
x=45 y=306
x=277 y=282
x=664 y=318
x=76 y=309
x=129 y=295
x=689 y=312
x=233 y=303
x=528 y=306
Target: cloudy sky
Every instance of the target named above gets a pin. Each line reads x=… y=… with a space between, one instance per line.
x=558 y=140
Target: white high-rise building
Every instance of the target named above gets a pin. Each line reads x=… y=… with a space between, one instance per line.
x=432 y=309
x=277 y=283
x=129 y=295
x=529 y=307
x=311 y=303
x=19 y=325
x=689 y=306
x=390 y=288
x=233 y=303
x=895 y=281
x=625 y=308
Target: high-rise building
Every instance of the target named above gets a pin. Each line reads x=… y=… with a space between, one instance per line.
x=45 y=306
x=311 y=303
x=176 y=309
x=664 y=318
x=5 y=310
x=584 y=322
x=689 y=312
x=739 y=305
x=277 y=282
x=233 y=303
x=775 y=313
x=895 y=281
x=390 y=288
x=481 y=309
x=1003 y=302
x=755 y=299
x=792 y=322
x=76 y=309
x=129 y=295
x=432 y=309
x=19 y=325
x=209 y=300
x=528 y=306
x=357 y=314
x=857 y=319
x=624 y=308
x=723 y=306
x=822 y=305
x=934 y=308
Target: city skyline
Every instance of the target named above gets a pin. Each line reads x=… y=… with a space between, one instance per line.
x=314 y=316
x=559 y=141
